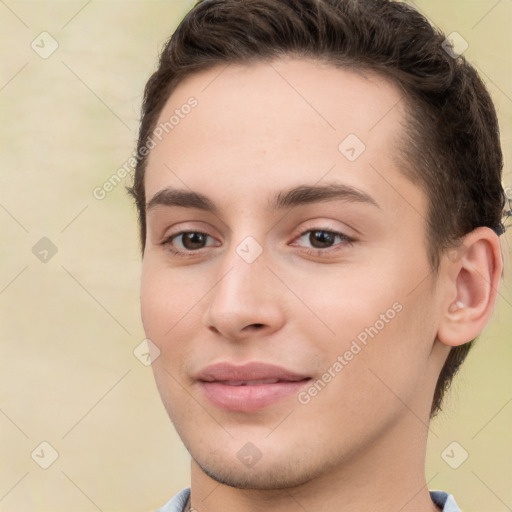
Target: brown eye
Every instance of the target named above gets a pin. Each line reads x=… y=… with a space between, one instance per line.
x=321 y=239
x=189 y=241
x=193 y=240
x=318 y=239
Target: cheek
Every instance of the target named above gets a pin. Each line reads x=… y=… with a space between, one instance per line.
x=374 y=325
x=348 y=304
x=164 y=297
x=171 y=309
x=393 y=367
x=152 y=301
x=165 y=310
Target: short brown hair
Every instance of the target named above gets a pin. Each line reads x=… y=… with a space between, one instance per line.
x=453 y=149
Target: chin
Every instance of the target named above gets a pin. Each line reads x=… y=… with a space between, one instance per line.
x=288 y=472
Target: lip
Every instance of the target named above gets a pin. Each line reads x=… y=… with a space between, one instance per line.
x=249 y=387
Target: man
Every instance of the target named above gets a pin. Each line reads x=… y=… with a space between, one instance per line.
x=320 y=201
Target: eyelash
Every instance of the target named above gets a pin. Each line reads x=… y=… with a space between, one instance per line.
x=346 y=241
x=167 y=243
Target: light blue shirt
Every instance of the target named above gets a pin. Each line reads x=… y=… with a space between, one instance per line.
x=440 y=498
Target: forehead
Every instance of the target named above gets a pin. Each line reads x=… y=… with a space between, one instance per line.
x=276 y=122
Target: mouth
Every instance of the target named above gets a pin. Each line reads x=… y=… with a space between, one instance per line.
x=249 y=387
x=250 y=382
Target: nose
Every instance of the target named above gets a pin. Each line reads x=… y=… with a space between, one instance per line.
x=245 y=302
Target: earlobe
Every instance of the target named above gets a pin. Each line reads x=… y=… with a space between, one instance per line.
x=473 y=288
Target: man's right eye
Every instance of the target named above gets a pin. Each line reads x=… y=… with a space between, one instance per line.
x=187 y=241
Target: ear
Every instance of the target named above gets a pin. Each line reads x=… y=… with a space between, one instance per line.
x=474 y=272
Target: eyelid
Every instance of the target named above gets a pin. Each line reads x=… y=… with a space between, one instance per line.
x=340 y=234
x=167 y=245
x=189 y=226
x=180 y=229
x=169 y=238
x=325 y=225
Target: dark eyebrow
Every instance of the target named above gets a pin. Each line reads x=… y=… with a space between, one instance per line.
x=301 y=195
x=307 y=194
x=184 y=198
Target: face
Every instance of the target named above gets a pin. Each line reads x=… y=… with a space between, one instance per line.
x=285 y=279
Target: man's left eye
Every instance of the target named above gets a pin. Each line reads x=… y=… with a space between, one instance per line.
x=322 y=239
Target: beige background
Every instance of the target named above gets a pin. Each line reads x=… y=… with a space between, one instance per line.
x=69 y=325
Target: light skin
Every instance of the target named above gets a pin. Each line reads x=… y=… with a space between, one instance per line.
x=259 y=131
